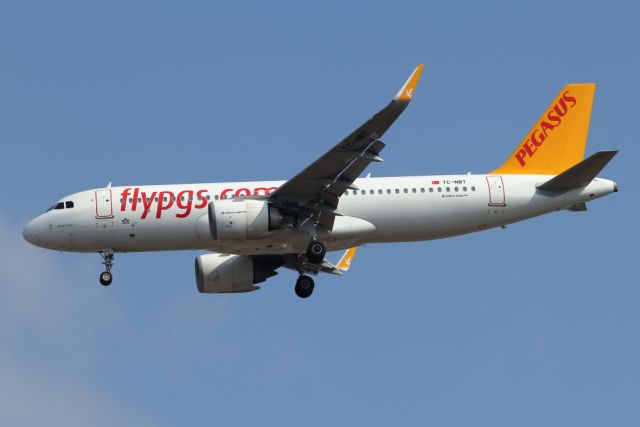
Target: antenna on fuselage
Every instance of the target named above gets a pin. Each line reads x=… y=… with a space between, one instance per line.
x=109 y=184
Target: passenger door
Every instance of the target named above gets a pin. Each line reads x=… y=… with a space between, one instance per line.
x=496 y=191
x=104 y=204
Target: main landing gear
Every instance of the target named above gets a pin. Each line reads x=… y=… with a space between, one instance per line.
x=106 y=277
x=315 y=255
x=316 y=251
x=304 y=286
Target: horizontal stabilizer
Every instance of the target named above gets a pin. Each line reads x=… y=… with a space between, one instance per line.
x=579 y=175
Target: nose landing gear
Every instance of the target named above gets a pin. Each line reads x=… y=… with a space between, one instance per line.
x=106 y=277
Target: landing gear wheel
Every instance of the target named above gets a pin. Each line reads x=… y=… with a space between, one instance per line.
x=316 y=251
x=107 y=259
x=304 y=286
x=106 y=278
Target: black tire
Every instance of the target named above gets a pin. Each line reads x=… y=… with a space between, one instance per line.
x=304 y=286
x=316 y=251
x=106 y=278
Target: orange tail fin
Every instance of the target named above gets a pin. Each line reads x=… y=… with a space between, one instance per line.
x=558 y=139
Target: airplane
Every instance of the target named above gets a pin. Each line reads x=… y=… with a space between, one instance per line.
x=251 y=229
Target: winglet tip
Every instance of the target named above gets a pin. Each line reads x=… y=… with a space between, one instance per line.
x=347 y=259
x=406 y=91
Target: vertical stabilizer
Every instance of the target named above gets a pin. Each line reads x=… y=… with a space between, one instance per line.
x=557 y=141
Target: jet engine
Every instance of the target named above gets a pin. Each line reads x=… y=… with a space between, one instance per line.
x=242 y=219
x=222 y=273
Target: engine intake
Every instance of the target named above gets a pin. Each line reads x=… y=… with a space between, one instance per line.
x=222 y=273
x=242 y=219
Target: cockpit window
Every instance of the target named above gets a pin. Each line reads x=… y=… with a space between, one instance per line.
x=56 y=206
x=68 y=205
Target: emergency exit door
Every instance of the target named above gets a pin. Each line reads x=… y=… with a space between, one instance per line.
x=496 y=191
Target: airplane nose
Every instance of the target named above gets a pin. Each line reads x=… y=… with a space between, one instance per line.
x=29 y=233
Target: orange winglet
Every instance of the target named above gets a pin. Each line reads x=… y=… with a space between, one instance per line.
x=406 y=91
x=347 y=259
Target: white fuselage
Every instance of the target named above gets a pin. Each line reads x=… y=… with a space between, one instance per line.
x=162 y=217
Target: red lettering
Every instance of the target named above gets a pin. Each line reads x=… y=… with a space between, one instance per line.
x=164 y=197
x=570 y=99
x=264 y=190
x=202 y=198
x=520 y=156
x=537 y=134
x=546 y=128
x=223 y=195
x=134 y=203
x=146 y=203
x=246 y=192
x=188 y=196
x=561 y=111
x=123 y=197
x=528 y=148
x=554 y=118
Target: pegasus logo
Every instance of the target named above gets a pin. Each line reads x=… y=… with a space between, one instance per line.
x=409 y=92
x=545 y=127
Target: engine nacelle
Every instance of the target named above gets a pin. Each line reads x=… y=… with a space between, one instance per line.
x=222 y=273
x=242 y=219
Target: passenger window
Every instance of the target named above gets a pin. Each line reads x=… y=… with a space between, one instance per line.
x=379 y=191
x=406 y=191
x=439 y=189
x=455 y=189
x=413 y=190
x=371 y=192
x=68 y=205
x=448 y=189
x=388 y=191
x=216 y=197
x=422 y=190
x=473 y=188
x=139 y=199
x=430 y=189
x=363 y=192
x=464 y=188
x=208 y=197
x=397 y=191
x=130 y=200
x=156 y=199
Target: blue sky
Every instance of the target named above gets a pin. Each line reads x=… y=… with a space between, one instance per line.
x=532 y=325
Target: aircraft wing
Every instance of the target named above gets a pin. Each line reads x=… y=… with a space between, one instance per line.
x=319 y=186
